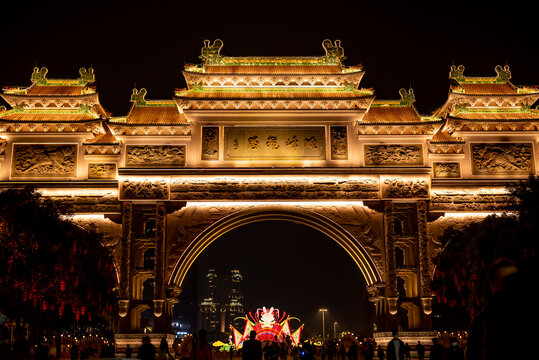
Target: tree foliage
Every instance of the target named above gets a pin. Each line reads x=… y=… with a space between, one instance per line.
x=460 y=281
x=55 y=273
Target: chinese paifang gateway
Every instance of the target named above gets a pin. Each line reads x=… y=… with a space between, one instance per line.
x=269 y=325
x=272 y=138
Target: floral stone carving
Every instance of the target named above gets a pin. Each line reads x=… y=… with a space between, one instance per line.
x=44 y=160
x=339 y=143
x=155 y=155
x=446 y=170
x=210 y=143
x=393 y=155
x=502 y=158
x=144 y=188
x=101 y=171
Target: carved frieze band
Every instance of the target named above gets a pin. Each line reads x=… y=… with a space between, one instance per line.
x=393 y=155
x=155 y=155
x=246 y=188
x=404 y=187
x=274 y=143
x=101 y=171
x=502 y=158
x=446 y=170
x=36 y=160
x=210 y=143
x=470 y=200
x=339 y=143
x=144 y=188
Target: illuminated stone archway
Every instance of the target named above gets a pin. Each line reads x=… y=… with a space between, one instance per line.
x=298 y=215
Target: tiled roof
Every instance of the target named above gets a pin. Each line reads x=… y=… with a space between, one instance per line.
x=444 y=136
x=271 y=94
x=272 y=69
x=155 y=115
x=55 y=90
x=485 y=89
x=509 y=115
x=53 y=116
x=106 y=138
x=391 y=114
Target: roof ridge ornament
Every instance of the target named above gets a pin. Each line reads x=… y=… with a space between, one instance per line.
x=457 y=73
x=87 y=76
x=211 y=53
x=334 y=51
x=39 y=75
x=502 y=74
x=407 y=97
x=138 y=96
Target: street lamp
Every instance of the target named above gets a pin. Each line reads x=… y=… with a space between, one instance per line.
x=335 y=329
x=323 y=311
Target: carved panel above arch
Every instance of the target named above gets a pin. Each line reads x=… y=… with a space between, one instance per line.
x=102 y=171
x=339 y=143
x=446 y=170
x=38 y=160
x=502 y=158
x=155 y=156
x=210 y=143
x=144 y=189
x=393 y=155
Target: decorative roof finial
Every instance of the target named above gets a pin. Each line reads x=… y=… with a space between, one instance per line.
x=138 y=96
x=39 y=75
x=213 y=52
x=87 y=75
x=457 y=73
x=407 y=97
x=503 y=74
x=334 y=52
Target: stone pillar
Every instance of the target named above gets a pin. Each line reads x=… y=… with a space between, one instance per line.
x=424 y=269
x=391 y=288
x=162 y=321
x=125 y=265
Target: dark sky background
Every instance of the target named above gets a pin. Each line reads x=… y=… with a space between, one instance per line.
x=291 y=267
x=147 y=42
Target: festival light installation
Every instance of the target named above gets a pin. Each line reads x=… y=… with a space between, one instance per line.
x=269 y=325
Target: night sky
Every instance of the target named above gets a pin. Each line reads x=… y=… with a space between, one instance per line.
x=399 y=44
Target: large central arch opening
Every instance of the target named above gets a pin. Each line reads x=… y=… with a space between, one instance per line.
x=285 y=264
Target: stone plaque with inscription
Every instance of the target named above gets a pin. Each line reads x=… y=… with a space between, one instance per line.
x=502 y=158
x=155 y=155
x=446 y=170
x=275 y=143
x=339 y=143
x=393 y=155
x=210 y=143
x=101 y=171
x=34 y=160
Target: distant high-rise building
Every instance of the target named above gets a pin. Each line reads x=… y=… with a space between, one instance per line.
x=222 y=302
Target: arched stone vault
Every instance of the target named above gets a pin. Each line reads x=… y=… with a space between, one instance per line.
x=358 y=230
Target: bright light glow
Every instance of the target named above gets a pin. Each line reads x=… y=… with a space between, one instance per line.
x=79 y=192
x=282 y=203
x=478 y=214
x=84 y=217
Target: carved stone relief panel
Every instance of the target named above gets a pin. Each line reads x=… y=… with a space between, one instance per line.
x=446 y=170
x=101 y=171
x=210 y=143
x=339 y=143
x=144 y=188
x=275 y=143
x=502 y=158
x=155 y=155
x=404 y=187
x=260 y=187
x=393 y=155
x=33 y=160
x=470 y=199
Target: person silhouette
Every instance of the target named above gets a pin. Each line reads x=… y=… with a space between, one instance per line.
x=252 y=348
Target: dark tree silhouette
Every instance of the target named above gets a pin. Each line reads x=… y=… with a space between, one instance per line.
x=460 y=281
x=54 y=275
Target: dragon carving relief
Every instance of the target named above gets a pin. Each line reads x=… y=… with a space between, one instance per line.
x=44 y=160
x=502 y=158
